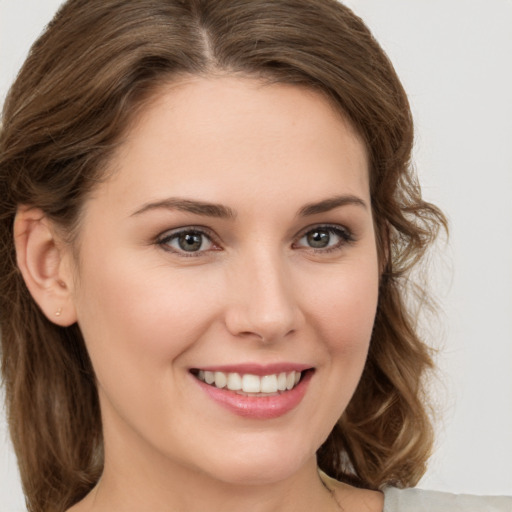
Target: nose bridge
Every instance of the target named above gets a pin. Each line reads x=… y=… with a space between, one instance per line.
x=263 y=300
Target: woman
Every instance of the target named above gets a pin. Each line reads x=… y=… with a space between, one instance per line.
x=175 y=336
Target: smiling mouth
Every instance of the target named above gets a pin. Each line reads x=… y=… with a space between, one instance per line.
x=250 y=384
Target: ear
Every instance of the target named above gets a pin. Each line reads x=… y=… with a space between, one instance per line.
x=45 y=264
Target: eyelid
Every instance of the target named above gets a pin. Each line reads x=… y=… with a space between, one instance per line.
x=162 y=239
x=324 y=225
x=340 y=230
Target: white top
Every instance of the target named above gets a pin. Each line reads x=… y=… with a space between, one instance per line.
x=417 y=500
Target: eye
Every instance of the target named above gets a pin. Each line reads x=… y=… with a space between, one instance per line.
x=187 y=242
x=325 y=238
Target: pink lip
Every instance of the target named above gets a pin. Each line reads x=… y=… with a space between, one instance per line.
x=257 y=369
x=258 y=407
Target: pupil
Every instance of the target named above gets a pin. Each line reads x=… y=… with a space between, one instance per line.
x=318 y=239
x=190 y=242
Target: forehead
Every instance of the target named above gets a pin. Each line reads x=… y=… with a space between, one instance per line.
x=233 y=135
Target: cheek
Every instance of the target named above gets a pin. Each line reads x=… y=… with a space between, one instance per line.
x=342 y=311
x=133 y=320
x=343 y=308
x=137 y=325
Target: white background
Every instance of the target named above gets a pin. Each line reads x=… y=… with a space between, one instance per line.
x=455 y=60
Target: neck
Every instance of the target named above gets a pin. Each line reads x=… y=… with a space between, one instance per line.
x=139 y=476
x=135 y=490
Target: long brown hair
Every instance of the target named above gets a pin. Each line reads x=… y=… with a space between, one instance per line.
x=83 y=82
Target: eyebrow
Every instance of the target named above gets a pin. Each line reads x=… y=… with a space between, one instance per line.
x=191 y=206
x=225 y=212
x=330 y=204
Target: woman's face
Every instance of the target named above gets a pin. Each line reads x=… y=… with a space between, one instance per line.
x=233 y=241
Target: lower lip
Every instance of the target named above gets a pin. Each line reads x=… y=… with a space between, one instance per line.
x=258 y=407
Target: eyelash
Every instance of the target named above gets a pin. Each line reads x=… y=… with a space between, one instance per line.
x=165 y=239
x=345 y=237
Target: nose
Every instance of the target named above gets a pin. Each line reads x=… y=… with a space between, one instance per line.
x=263 y=301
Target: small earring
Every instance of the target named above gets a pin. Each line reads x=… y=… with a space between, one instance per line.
x=58 y=312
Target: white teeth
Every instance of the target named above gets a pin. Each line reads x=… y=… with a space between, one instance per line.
x=251 y=383
x=220 y=380
x=234 y=381
x=281 y=381
x=248 y=383
x=269 y=384
x=290 y=380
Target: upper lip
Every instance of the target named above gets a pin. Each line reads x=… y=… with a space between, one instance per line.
x=256 y=369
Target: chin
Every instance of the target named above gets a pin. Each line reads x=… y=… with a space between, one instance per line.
x=250 y=474
x=261 y=465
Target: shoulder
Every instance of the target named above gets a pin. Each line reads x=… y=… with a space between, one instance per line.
x=417 y=500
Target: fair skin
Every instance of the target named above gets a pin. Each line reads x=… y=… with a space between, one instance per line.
x=280 y=275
